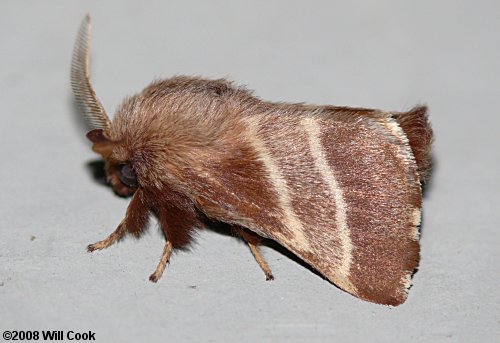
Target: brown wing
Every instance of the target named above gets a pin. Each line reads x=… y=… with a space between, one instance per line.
x=338 y=189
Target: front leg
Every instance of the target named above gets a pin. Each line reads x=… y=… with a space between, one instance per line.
x=135 y=221
x=115 y=236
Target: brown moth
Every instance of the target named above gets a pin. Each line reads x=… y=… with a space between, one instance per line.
x=339 y=187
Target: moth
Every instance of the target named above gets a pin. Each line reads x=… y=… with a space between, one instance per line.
x=339 y=187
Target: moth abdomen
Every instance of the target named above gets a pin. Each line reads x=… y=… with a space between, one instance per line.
x=416 y=126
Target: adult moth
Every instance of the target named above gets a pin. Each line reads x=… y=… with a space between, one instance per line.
x=337 y=186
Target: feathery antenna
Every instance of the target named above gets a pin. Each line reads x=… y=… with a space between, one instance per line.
x=88 y=102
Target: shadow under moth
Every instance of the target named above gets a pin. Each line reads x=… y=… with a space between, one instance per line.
x=339 y=187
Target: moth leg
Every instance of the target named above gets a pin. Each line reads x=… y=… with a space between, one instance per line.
x=115 y=236
x=253 y=241
x=177 y=224
x=261 y=261
x=135 y=220
x=165 y=258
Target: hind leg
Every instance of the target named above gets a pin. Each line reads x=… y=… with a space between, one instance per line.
x=253 y=241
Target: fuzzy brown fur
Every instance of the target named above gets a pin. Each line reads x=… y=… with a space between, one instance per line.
x=415 y=124
x=189 y=143
x=337 y=186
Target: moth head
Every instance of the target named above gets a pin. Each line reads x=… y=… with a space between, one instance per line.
x=123 y=178
x=120 y=172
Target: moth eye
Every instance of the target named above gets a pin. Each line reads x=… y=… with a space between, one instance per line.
x=127 y=176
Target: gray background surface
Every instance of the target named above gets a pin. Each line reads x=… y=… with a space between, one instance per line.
x=383 y=54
